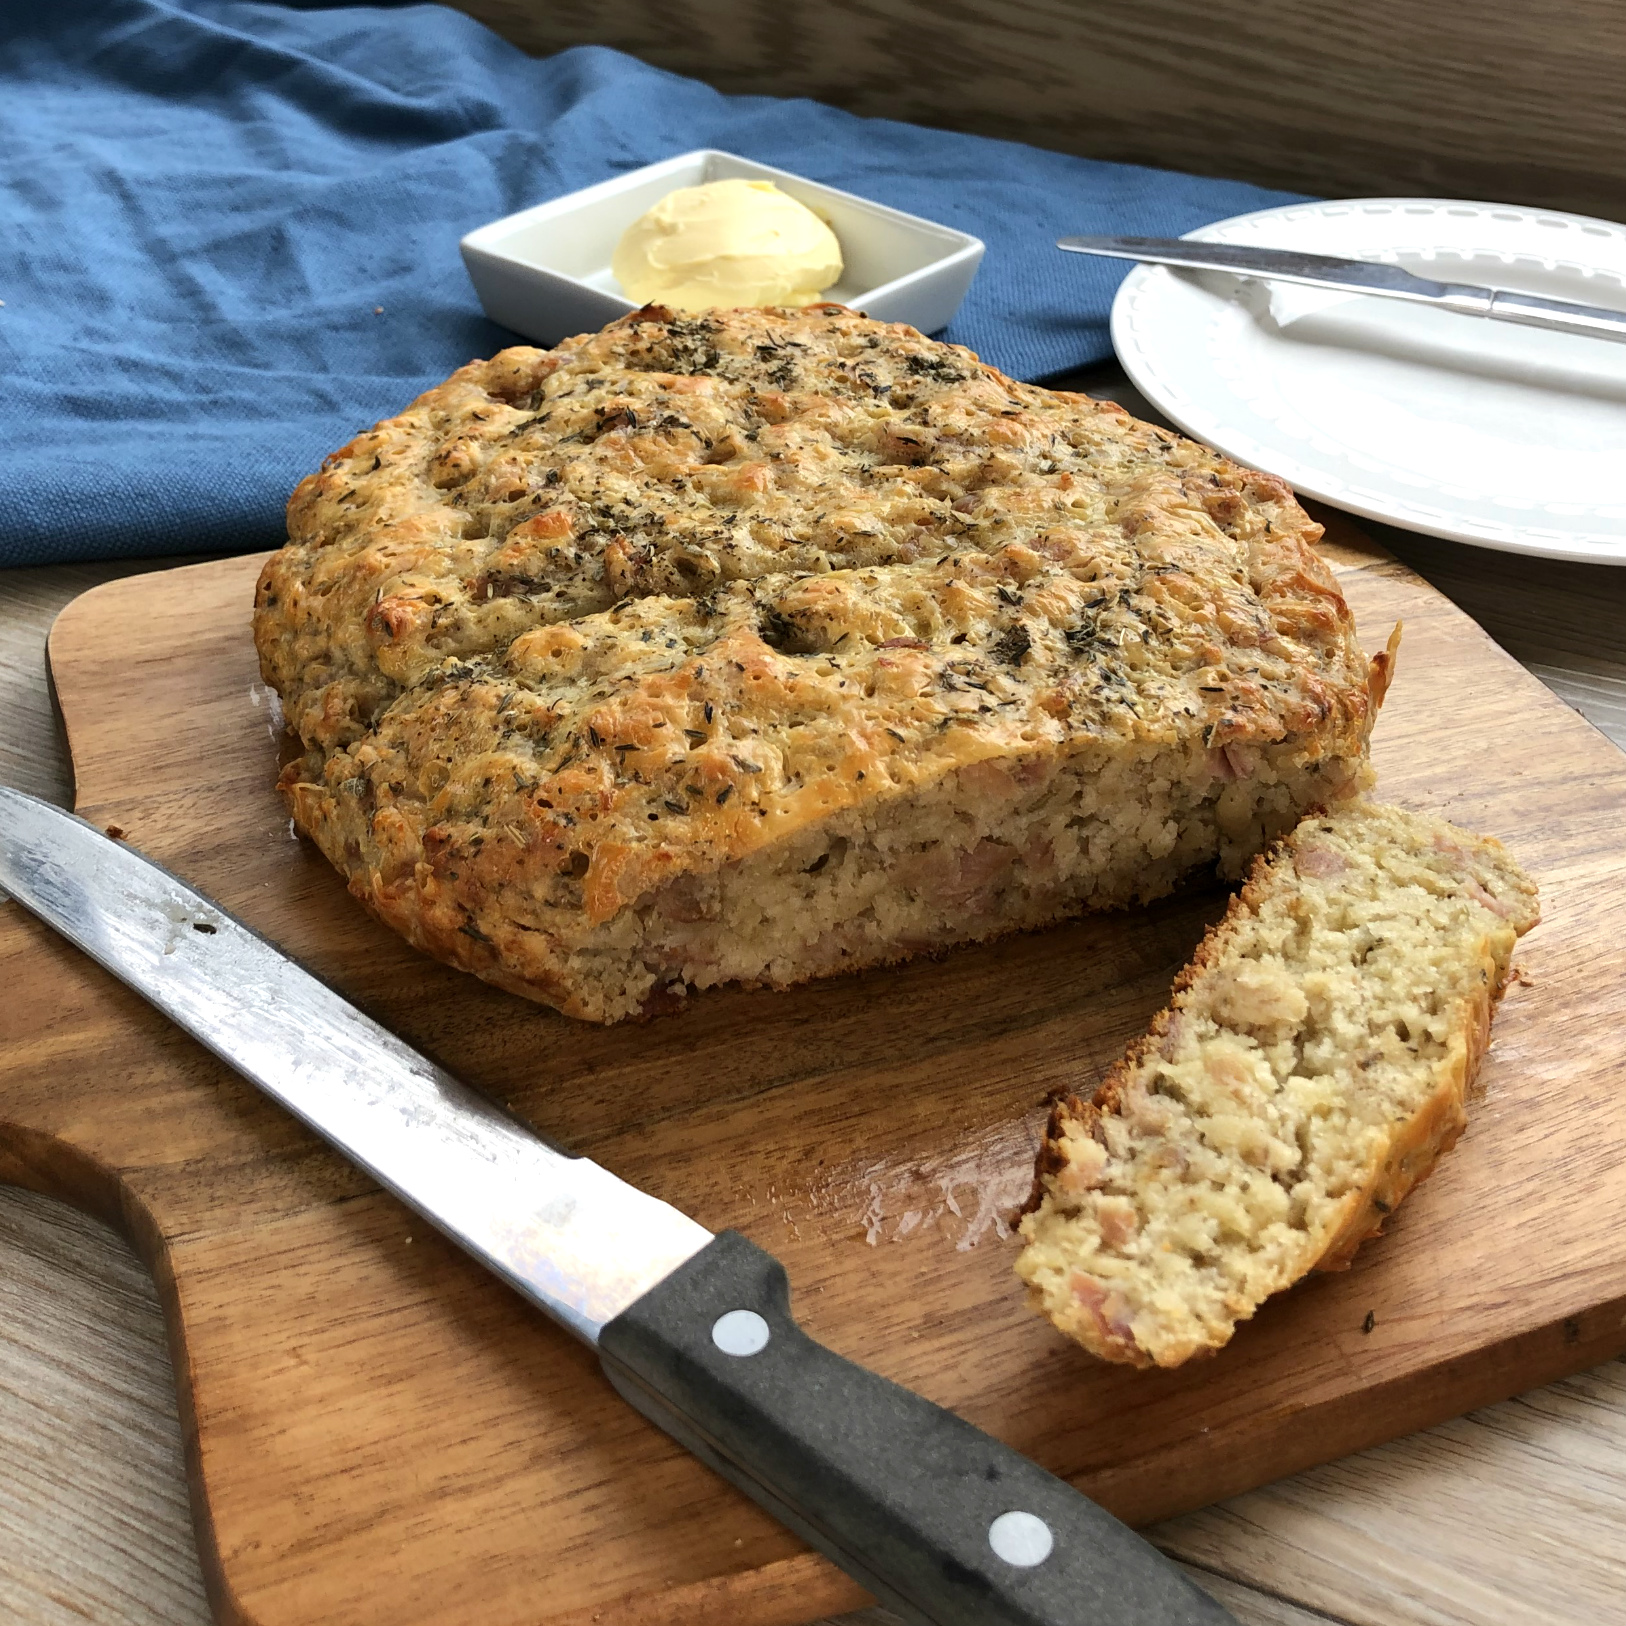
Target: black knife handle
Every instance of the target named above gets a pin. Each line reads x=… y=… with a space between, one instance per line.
x=901 y=1494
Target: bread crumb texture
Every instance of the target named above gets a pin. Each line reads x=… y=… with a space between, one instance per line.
x=1312 y=1066
x=762 y=645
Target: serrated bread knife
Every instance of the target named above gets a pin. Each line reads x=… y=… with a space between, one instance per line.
x=938 y=1520
x=1360 y=277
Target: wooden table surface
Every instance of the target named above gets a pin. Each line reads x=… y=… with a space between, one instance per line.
x=1514 y=1516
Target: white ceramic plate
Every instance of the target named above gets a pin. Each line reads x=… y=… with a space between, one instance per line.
x=1480 y=431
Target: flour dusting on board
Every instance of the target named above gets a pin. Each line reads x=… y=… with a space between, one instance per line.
x=967 y=1197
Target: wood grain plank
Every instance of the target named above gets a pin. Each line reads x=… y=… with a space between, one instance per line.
x=31 y=753
x=1517 y=102
x=1253 y=1607
x=93 y=1507
x=1349 y=1536
x=1564 y=619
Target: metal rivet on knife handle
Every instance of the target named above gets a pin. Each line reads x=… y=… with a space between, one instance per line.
x=740 y=1332
x=1022 y=1539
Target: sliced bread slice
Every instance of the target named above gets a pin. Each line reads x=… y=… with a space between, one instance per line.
x=1310 y=1069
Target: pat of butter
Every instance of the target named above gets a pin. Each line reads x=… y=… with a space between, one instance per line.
x=728 y=243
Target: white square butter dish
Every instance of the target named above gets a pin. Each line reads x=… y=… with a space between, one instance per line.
x=545 y=272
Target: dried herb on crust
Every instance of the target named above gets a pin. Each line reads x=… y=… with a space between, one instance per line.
x=993 y=653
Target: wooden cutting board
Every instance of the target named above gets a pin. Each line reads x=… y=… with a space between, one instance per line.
x=378 y=1432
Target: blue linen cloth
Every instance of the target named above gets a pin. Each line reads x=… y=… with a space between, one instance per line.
x=230 y=236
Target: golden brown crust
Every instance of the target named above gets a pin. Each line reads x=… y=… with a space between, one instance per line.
x=578 y=624
x=1382 y=666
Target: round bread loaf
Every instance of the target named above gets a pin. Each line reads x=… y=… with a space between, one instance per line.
x=768 y=644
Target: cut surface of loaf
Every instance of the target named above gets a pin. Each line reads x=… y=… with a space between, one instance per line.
x=761 y=645
x=1312 y=1065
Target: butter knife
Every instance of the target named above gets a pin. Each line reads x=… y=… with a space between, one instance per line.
x=1360 y=277
x=941 y=1522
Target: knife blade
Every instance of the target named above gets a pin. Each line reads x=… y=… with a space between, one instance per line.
x=1360 y=277
x=942 y=1523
